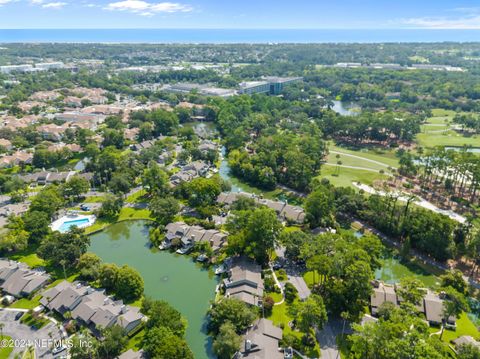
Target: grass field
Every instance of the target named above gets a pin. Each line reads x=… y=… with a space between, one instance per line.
x=281 y=317
x=369 y=162
x=464 y=327
x=25 y=303
x=5 y=352
x=127 y=213
x=29 y=257
x=344 y=177
x=137 y=197
x=438 y=132
x=30 y=320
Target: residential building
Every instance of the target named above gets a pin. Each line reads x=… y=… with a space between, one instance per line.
x=91 y=307
x=284 y=210
x=45 y=96
x=207 y=145
x=16 y=158
x=261 y=341
x=18 y=280
x=16 y=209
x=6 y=144
x=51 y=131
x=199 y=167
x=431 y=305
x=188 y=235
x=244 y=281
x=465 y=340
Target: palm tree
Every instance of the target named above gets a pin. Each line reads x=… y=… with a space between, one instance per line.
x=339 y=163
x=63 y=262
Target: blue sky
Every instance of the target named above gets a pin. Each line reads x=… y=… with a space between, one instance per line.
x=271 y=14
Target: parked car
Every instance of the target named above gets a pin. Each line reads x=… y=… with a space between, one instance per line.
x=18 y=315
x=277 y=265
x=58 y=349
x=288 y=353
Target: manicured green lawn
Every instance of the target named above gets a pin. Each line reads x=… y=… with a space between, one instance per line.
x=25 y=303
x=137 y=197
x=464 y=327
x=136 y=341
x=5 y=352
x=344 y=177
x=289 y=229
x=450 y=138
x=277 y=297
x=29 y=320
x=280 y=317
x=356 y=162
x=127 y=213
x=386 y=156
x=94 y=199
x=133 y=213
x=29 y=257
x=428 y=138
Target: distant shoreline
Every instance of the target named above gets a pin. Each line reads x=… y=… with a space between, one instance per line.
x=236 y=36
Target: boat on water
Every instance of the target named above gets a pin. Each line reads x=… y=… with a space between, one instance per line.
x=184 y=250
x=165 y=245
x=220 y=269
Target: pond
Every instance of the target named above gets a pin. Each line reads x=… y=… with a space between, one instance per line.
x=394 y=268
x=202 y=129
x=237 y=185
x=345 y=108
x=170 y=277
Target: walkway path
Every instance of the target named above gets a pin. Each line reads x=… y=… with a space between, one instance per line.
x=279 y=285
x=419 y=202
x=361 y=158
x=356 y=168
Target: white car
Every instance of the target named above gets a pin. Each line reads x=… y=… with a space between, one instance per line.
x=59 y=349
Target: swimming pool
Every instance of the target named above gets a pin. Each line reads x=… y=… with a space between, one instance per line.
x=65 y=223
x=65 y=227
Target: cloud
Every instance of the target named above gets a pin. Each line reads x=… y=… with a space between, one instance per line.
x=4 y=2
x=464 y=23
x=54 y=5
x=146 y=8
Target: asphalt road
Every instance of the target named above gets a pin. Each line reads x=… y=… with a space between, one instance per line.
x=23 y=333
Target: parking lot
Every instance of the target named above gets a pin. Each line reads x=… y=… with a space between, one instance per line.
x=23 y=333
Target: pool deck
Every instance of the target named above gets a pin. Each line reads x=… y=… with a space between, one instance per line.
x=57 y=225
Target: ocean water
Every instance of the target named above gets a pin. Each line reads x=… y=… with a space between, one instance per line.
x=234 y=36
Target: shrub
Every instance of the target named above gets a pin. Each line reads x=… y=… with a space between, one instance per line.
x=290 y=292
